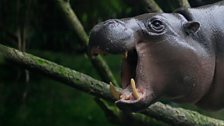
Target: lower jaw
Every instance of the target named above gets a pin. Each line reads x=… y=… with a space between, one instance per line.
x=132 y=106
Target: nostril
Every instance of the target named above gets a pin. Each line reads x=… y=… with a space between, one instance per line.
x=119 y=21
x=113 y=21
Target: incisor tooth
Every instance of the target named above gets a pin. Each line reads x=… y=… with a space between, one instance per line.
x=113 y=92
x=133 y=87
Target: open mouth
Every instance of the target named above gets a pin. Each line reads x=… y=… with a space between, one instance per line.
x=133 y=92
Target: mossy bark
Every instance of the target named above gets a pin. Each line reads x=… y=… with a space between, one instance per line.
x=71 y=78
x=180 y=116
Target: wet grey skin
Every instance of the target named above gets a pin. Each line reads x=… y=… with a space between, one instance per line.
x=178 y=56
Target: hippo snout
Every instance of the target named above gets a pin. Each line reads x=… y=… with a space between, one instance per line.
x=113 y=36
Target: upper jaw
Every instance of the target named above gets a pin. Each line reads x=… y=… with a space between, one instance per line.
x=115 y=36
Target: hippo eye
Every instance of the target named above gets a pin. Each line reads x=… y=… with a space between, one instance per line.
x=156 y=25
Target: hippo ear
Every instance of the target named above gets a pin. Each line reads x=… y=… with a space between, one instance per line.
x=191 y=27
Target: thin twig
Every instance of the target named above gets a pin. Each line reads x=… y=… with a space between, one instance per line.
x=152 y=6
x=98 y=62
x=184 y=3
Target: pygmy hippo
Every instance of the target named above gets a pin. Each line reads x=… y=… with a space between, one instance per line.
x=178 y=56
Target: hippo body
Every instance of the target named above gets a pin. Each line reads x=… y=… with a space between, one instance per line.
x=178 y=56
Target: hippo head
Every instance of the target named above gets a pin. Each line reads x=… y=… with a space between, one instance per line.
x=161 y=57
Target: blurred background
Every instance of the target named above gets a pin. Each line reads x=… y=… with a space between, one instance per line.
x=28 y=98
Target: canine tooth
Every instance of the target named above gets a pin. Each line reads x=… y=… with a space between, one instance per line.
x=113 y=92
x=126 y=55
x=133 y=87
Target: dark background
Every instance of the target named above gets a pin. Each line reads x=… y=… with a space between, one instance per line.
x=28 y=98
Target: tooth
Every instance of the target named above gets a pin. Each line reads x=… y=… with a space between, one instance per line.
x=122 y=97
x=113 y=92
x=133 y=87
x=126 y=55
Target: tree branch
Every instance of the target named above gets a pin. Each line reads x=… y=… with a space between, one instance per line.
x=152 y=6
x=133 y=119
x=184 y=3
x=166 y=113
x=69 y=77
x=98 y=62
x=180 y=116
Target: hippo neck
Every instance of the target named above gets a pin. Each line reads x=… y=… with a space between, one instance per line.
x=211 y=37
x=211 y=18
